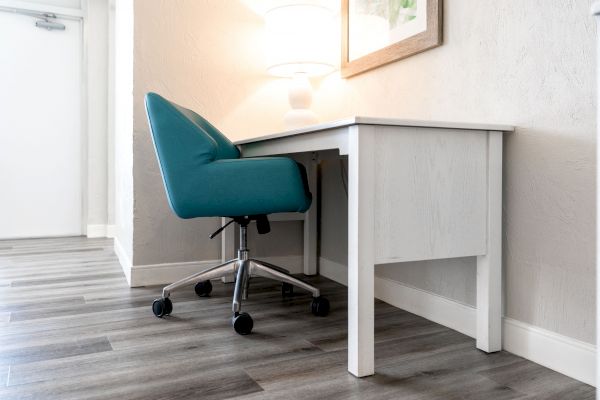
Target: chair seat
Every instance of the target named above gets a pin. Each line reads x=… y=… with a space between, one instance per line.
x=244 y=186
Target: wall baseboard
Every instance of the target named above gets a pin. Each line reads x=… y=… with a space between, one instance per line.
x=441 y=310
x=111 y=231
x=124 y=259
x=334 y=271
x=164 y=274
x=294 y=264
x=560 y=353
x=98 y=231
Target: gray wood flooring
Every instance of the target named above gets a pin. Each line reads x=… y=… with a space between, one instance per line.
x=71 y=328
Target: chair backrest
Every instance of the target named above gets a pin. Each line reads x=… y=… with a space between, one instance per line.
x=184 y=141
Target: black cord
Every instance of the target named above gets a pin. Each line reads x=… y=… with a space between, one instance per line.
x=344 y=176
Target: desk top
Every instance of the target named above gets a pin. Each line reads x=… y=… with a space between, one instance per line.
x=380 y=121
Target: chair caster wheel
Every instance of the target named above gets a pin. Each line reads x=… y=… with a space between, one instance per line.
x=203 y=288
x=242 y=323
x=162 y=307
x=287 y=289
x=320 y=306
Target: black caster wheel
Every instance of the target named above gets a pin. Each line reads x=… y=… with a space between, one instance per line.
x=287 y=289
x=203 y=288
x=320 y=306
x=162 y=307
x=242 y=323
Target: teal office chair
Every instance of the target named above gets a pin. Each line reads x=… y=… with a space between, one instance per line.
x=204 y=176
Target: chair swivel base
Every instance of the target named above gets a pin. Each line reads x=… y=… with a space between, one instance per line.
x=243 y=268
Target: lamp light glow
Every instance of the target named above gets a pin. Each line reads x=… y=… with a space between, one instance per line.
x=300 y=39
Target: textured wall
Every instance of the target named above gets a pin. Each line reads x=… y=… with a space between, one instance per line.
x=528 y=63
x=207 y=56
x=123 y=100
x=519 y=65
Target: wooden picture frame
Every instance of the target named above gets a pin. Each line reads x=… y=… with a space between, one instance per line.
x=426 y=39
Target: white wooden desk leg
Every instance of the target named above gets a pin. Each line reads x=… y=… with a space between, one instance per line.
x=361 y=268
x=228 y=247
x=489 y=266
x=310 y=219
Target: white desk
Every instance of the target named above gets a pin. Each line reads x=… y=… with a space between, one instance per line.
x=417 y=190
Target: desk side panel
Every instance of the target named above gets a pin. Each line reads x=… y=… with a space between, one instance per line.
x=431 y=193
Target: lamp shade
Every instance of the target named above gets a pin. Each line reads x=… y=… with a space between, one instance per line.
x=299 y=40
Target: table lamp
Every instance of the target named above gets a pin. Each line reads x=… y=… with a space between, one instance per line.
x=300 y=38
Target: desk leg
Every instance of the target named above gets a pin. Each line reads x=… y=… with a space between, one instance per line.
x=489 y=266
x=310 y=219
x=361 y=268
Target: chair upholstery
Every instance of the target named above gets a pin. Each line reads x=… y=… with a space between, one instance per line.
x=204 y=175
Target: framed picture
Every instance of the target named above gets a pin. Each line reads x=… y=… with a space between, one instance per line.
x=378 y=32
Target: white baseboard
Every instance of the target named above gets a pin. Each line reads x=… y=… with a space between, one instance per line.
x=334 y=271
x=98 y=231
x=163 y=274
x=447 y=312
x=453 y=314
x=561 y=353
x=294 y=264
x=111 y=231
x=124 y=259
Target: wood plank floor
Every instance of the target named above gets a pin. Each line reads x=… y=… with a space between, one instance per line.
x=71 y=328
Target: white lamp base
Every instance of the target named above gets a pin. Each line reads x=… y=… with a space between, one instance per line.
x=300 y=97
x=298 y=118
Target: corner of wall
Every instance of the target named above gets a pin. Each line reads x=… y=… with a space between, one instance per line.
x=124 y=258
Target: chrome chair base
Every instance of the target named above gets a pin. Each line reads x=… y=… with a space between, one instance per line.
x=243 y=268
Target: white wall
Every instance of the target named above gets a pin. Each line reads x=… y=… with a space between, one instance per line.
x=123 y=130
x=96 y=56
x=596 y=13
x=500 y=62
x=110 y=118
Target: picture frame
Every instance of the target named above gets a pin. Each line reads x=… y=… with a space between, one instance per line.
x=376 y=33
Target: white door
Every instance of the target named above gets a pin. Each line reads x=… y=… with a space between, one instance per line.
x=40 y=128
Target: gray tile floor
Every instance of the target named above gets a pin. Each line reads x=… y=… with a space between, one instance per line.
x=71 y=328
